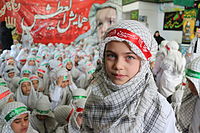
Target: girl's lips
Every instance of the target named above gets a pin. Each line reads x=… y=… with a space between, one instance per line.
x=118 y=76
x=24 y=130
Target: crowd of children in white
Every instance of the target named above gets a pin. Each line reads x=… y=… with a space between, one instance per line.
x=47 y=86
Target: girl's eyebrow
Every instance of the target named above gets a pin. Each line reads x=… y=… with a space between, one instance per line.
x=17 y=119
x=109 y=51
x=129 y=52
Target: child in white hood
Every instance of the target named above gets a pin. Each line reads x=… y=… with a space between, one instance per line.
x=189 y=119
x=8 y=75
x=6 y=96
x=54 y=66
x=123 y=96
x=31 y=63
x=60 y=92
x=42 y=73
x=173 y=66
x=26 y=72
x=16 y=117
x=27 y=94
x=73 y=72
x=157 y=71
x=42 y=117
x=63 y=113
x=85 y=78
x=37 y=85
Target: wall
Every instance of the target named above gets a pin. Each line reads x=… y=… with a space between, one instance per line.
x=155 y=18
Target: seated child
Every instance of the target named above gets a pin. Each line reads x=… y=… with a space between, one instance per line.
x=16 y=117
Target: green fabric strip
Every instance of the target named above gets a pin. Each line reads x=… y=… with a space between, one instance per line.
x=26 y=71
x=67 y=60
x=79 y=97
x=65 y=78
x=32 y=58
x=91 y=72
x=193 y=74
x=23 y=80
x=15 y=112
x=43 y=112
x=2 y=83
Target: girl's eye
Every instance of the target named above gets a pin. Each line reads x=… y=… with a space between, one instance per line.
x=110 y=56
x=17 y=121
x=130 y=57
x=99 y=24
x=26 y=118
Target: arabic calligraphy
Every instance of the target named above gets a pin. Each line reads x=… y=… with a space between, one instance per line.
x=173 y=21
x=69 y=20
x=11 y=6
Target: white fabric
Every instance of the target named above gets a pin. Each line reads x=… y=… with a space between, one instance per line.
x=135 y=106
x=5 y=99
x=31 y=100
x=173 y=66
x=7 y=109
x=60 y=96
x=48 y=125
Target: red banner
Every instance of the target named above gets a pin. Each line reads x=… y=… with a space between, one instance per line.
x=55 y=21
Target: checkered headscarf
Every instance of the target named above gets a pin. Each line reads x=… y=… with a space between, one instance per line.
x=10 y=112
x=5 y=94
x=134 y=106
x=193 y=73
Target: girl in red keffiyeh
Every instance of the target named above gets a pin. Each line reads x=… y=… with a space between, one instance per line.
x=124 y=96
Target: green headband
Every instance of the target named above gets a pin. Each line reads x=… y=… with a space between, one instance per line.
x=193 y=74
x=79 y=97
x=23 y=80
x=15 y=112
x=2 y=83
x=32 y=58
x=65 y=78
x=38 y=57
x=91 y=71
x=57 y=56
x=45 y=64
x=67 y=60
x=26 y=71
x=43 y=112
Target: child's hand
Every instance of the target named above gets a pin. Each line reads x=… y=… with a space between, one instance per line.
x=59 y=80
x=10 y=22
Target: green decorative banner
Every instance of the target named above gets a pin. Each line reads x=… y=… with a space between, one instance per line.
x=188 y=3
x=173 y=21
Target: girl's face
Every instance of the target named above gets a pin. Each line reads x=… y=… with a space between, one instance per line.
x=79 y=119
x=41 y=117
x=31 y=63
x=105 y=18
x=35 y=84
x=11 y=75
x=26 y=75
x=69 y=65
x=192 y=87
x=65 y=83
x=121 y=64
x=23 y=63
x=20 y=124
x=40 y=75
x=26 y=88
x=60 y=59
x=11 y=99
x=11 y=63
